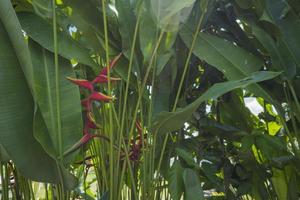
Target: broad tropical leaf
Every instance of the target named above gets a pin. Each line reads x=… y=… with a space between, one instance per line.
x=17 y=104
x=171 y=121
x=16 y=118
x=233 y=61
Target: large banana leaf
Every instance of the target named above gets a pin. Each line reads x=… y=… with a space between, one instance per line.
x=17 y=105
x=171 y=121
x=45 y=93
x=16 y=117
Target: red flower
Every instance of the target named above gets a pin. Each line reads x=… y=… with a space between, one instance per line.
x=87 y=104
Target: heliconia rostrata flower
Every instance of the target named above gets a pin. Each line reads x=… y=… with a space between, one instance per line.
x=87 y=103
x=135 y=144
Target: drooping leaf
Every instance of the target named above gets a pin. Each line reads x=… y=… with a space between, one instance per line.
x=228 y=58
x=42 y=32
x=171 y=121
x=233 y=61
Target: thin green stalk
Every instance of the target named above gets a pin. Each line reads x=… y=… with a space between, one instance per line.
x=111 y=136
x=140 y=98
x=57 y=93
x=129 y=72
x=126 y=91
x=188 y=59
x=141 y=91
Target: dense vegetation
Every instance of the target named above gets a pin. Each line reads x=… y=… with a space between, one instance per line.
x=150 y=99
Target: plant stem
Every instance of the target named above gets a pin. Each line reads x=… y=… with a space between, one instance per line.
x=111 y=135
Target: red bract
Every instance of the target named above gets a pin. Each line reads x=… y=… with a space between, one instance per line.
x=111 y=65
x=82 y=83
x=80 y=143
x=87 y=104
x=104 y=79
x=98 y=96
x=90 y=121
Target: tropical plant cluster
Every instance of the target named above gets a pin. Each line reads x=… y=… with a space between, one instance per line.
x=150 y=99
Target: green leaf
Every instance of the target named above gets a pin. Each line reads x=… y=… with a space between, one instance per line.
x=42 y=32
x=193 y=189
x=17 y=106
x=175 y=181
x=171 y=121
x=228 y=58
x=45 y=87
